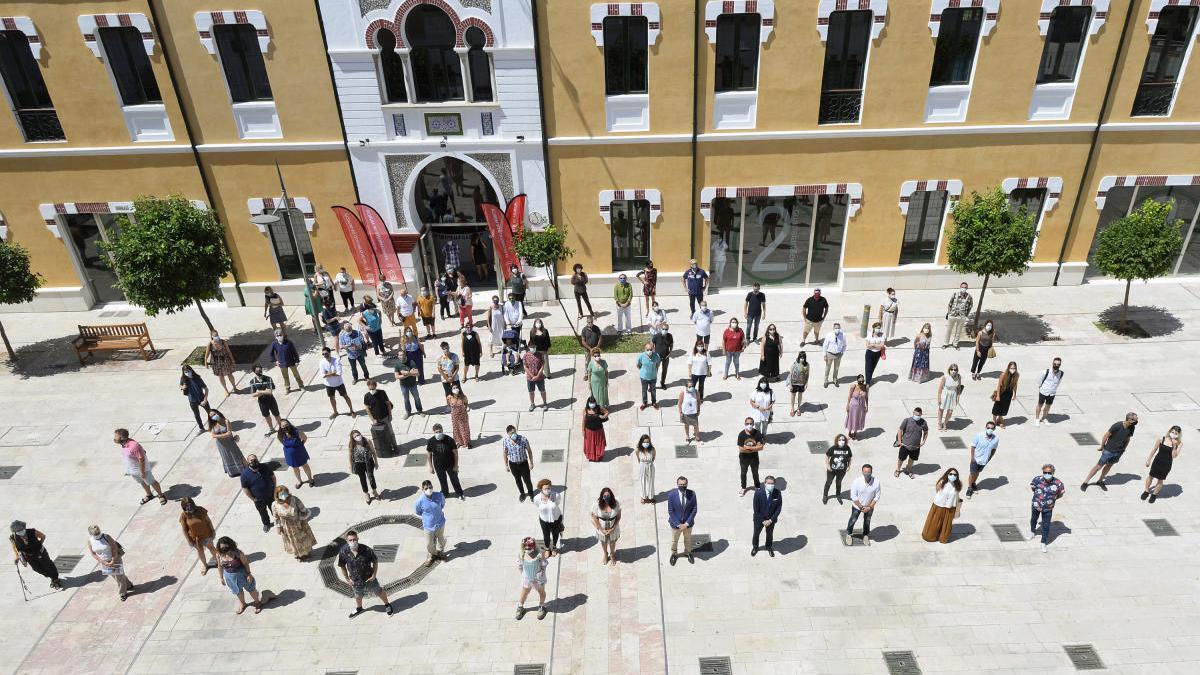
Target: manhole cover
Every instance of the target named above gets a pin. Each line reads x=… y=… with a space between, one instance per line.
x=1008 y=532
x=1084 y=657
x=66 y=563
x=818 y=447
x=341 y=672
x=1160 y=527
x=414 y=459
x=553 y=455
x=1014 y=291
x=715 y=665
x=702 y=542
x=331 y=576
x=901 y=663
x=685 y=452
x=1084 y=438
x=953 y=442
x=529 y=669
x=7 y=472
x=386 y=552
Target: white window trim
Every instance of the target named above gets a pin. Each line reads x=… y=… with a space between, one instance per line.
x=854 y=190
x=1053 y=186
x=246 y=114
x=90 y=25
x=1041 y=105
x=135 y=116
x=51 y=212
x=991 y=9
x=651 y=195
x=991 y=13
x=258 y=205
x=1099 y=15
x=953 y=190
x=764 y=8
x=742 y=102
x=600 y=11
x=625 y=113
x=1109 y=182
x=25 y=25
x=1156 y=6
x=826 y=8
x=206 y=20
x=3 y=228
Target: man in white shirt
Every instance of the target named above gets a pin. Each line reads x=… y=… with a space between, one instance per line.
x=834 y=346
x=655 y=319
x=330 y=371
x=513 y=313
x=864 y=495
x=345 y=287
x=406 y=305
x=703 y=319
x=1047 y=389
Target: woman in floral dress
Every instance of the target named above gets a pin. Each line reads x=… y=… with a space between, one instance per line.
x=459 y=418
x=920 y=358
x=219 y=358
x=291 y=519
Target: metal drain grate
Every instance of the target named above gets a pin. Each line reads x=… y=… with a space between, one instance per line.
x=901 y=663
x=529 y=669
x=413 y=459
x=953 y=443
x=702 y=542
x=341 y=672
x=1160 y=527
x=1008 y=532
x=1084 y=438
x=7 y=472
x=715 y=665
x=66 y=563
x=1084 y=657
x=386 y=552
x=685 y=452
x=818 y=447
x=553 y=455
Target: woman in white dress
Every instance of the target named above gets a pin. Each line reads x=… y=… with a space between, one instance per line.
x=889 y=309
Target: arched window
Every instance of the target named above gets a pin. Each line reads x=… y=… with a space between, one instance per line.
x=437 y=70
x=479 y=64
x=392 y=67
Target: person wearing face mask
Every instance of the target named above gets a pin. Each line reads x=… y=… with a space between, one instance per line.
x=762 y=405
x=333 y=324
x=465 y=302
x=857 y=404
x=295 y=454
x=219 y=358
x=983 y=448
x=606 y=518
x=137 y=466
x=360 y=567
x=703 y=318
x=495 y=324
x=379 y=410
x=407 y=373
x=550 y=515
x=460 y=421
x=656 y=318
x=957 y=311
x=797 y=378
x=920 y=358
x=945 y=508
x=733 y=341
x=1112 y=446
x=539 y=337
x=364 y=459
x=589 y=335
x=425 y=303
x=472 y=351
x=1006 y=390
x=889 y=309
x=512 y=314
x=950 y=387
x=444 y=289
x=431 y=508
x=536 y=365
x=197 y=394
x=273 y=309
x=876 y=349
x=387 y=299
x=1047 y=490
x=1162 y=455
x=448 y=367
x=985 y=349
x=232 y=462
x=681 y=516
x=352 y=343
x=768 y=504
x=110 y=555
x=442 y=459
x=815 y=309
x=29 y=550
x=837 y=461
x=262 y=389
x=518 y=461
x=864 y=496
x=646 y=454
x=772 y=350
x=689 y=411
x=594 y=441
x=623 y=297
x=258 y=484
x=579 y=282
x=695 y=283
x=285 y=355
x=345 y=287
x=291 y=521
x=749 y=443
x=910 y=438
x=699 y=367
x=199 y=531
x=533 y=564
x=518 y=284
x=664 y=343
x=1047 y=389
x=372 y=322
x=595 y=373
x=649 y=278
x=330 y=371
x=406 y=307
x=413 y=351
x=754 y=308
x=833 y=347
x=647 y=365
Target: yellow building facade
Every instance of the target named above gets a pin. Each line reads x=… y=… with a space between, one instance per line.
x=825 y=142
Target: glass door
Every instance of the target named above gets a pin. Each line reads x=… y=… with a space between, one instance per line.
x=86 y=232
x=777 y=240
x=630 y=234
x=828 y=236
x=725 y=242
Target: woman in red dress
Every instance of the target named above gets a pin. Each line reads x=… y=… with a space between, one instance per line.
x=594 y=417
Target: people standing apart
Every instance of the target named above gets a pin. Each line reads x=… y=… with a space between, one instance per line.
x=623 y=297
x=733 y=341
x=372 y=320
x=262 y=388
x=649 y=278
x=472 y=351
x=364 y=459
x=910 y=438
x=330 y=371
x=406 y=375
x=443 y=460
x=379 y=409
x=1047 y=390
x=656 y=320
x=646 y=454
x=518 y=285
x=945 y=508
x=295 y=455
x=815 y=309
x=1006 y=389
x=532 y=564
x=360 y=566
x=772 y=349
x=876 y=347
x=1161 y=457
x=412 y=350
x=431 y=507
x=689 y=412
x=596 y=375
x=703 y=318
x=258 y=484
x=864 y=497
x=983 y=448
x=536 y=365
x=443 y=290
x=110 y=555
x=695 y=283
x=589 y=336
x=606 y=518
x=1047 y=490
x=286 y=357
x=29 y=548
x=889 y=309
x=518 y=461
x=857 y=404
x=920 y=358
x=797 y=379
x=495 y=325
x=957 y=311
x=768 y=504
x=345 y=288
x=219 y=359
x=647 y=365
x=136 y=467
x=594 y=441
x=466 y=302
x=387 y=300
x=459 y=416
x=762 y=405
x=221 y=430
x=837 y=461
x=448 y=367
x=197 y=394
x=424 y=303
x=273 y=310
x=681 y=516
x=579 y=282
x=984 y=349
x=351 y=341
x=1112 y=446
x=755 y=310
x=950 y=386
x=539 y=338
x=699 y=367
x=750 y=442
x=291 y=520
x=550 y=515
x=833 y=347
x=513 y=315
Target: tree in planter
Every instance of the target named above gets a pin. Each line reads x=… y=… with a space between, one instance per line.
x=169 y=256
x=544 y=248
x=17 y=283
x=990 y=239
x=1142 y=245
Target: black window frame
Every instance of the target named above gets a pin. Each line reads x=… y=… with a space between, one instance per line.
x=430 y=54
x=287 y=259
x=738 y=38
x=1060 y=37
x=243 y=63
x=640 y=218
x=32 y=105
x=1026 y=197
x=125 y=53
x=626 y=38
x=391 y=68
x=1164 y=61
x=914 y=253
x=956 y=44
x=848 y=37
x=479 y=65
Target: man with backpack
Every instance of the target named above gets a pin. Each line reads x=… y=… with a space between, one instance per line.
x=910 y=437
x=1047 y=389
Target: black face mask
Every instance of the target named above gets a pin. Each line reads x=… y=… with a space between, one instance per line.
x=254 y=465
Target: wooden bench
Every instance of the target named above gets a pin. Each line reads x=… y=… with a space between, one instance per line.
x=113 y=337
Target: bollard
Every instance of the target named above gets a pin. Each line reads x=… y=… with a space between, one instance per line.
x=866 y=321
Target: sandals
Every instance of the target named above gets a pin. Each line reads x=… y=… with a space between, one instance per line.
x=147 y=499
x=162 y=500
x=896 y=473
x=241 y=609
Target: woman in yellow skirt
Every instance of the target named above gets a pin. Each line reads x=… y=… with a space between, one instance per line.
x=946 y=506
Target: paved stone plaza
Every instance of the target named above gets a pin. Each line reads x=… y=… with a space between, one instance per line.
x=976 y=604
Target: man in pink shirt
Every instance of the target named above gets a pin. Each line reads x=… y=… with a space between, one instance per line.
x=134 y=456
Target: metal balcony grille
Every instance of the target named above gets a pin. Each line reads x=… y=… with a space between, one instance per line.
x=839 y=106
x=41 y=124
x=1153 y=99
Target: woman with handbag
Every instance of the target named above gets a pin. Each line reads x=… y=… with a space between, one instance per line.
x=950 y=387
x=550 y=514
x=876 y=349
x=985 y=349
x=110 y=555
x=291 y=519
x=700 y=366
x=947 y=505
x=1002 y=396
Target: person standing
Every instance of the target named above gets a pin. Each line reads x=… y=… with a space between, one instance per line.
x=857 y=404
x=518 y=285
x=472 y=351
x=985 y=348
x=295 y=455
x=512 y=315
x=534 y=363
x=920 y=358
x=425 y=303
x=345 y=288
x=1047 y=490
x=379 y=409
x=412 y=350
x=262 y=388
x=518 y=461
x=533 y=564
x=750 y=442
x=364 y=459
x=1166 y=449
x=797 y=381
x=431 y=507
x=1047 y=390
x=646 y=454
x=332 y=323
x=957 y=311
x=876 y=347
x=595 y=372
x=594 y=441
x=768 y=504
x=219 y=358
x=258 y=484
x=815 y=309
x=910 y=438
x=579 y=282
x=589 y=335
x=1006 y=389
x=444 y=291
x=539 y=338
x=448 y=368
x=695 y=283
x=837 y=461
x=136 y=466
x=733 y=341
x=755 y=310
x=273 y=310
x=864 y=497
x=606 y=518
x=198 y=530
x=466 y=302
x=689 y=412
x=110 y=555
x=443 y=460
x=496 y=323
x=649 y=278
x=950 y=386
x=703 y=318
x=983 y=448
x=664 y=343
x=889 y=309
x=227 y=446
x=647 y=365
x=351 y=341
x=656 y=318
x=29 y=549
x=291 y=520
x=285 y=355
x=762 y=405
x=360 y=566
x=406 y=375
x=460 y=421
x=623 y=297
x=945 y=508
x=387 y=299
x=681 y=516
x=372 y=322
x=772 y=349
x=1112 y=446
x=833 y=347
x=197 y=394
x=550 y=515
x=330 y=371
x=699 y=366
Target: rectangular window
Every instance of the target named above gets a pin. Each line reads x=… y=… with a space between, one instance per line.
x=630 y=233
x=27 y=90
x=954 y=55
x=242 y=60
x=1033 y=199
x=1168 y=49
x=923 y=226
x=845 y=66
x=285 y=241
x=1064 y=44
x=625 y=55
x=737 y=52
x=126 y=56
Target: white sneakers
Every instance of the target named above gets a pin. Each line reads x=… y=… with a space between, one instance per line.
x=1044 y=548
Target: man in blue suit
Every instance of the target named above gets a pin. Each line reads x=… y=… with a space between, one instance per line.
x=767 y=505
x=681 y=514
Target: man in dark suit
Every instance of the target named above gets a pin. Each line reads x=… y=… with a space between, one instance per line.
x=767 y=505
x=681 y=515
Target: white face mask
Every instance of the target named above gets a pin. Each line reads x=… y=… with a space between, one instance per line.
x=546 y=491
x=989 y=432
x=1174 y=435
x=646 y=444
x=952 y=477
x=988 y=327
x=353 y=544
x=837 y=331
x=439 y=435
x=284 y=495
x=428 y=492
x=916 y=417
x=770 y=487
x=841 y=442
